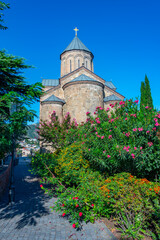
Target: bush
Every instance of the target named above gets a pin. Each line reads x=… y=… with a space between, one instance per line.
x=134 y=202
x=71 y=165
x=125 y=139
x=39 y=162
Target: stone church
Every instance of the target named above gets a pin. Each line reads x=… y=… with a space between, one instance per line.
x=79 y=89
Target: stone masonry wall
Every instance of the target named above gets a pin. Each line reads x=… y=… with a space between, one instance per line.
x=81 y=98
x=74 y=56
x=48 y=108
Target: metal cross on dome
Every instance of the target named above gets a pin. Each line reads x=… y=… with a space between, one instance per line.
x=76 y=30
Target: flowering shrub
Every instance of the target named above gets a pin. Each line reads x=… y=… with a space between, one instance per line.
x=85 y=203
x=125 y=139
x=54 y=132
x=71 y=165
x=134 y=202
x=39 y=160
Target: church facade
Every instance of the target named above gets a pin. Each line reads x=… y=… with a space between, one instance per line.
x=79 y=89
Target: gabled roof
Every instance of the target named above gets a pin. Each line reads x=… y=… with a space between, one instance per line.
x=53 y=98
x=83 y=77
x=50 y=82
x=76 y=44
x=110 y=85
x=112 y=98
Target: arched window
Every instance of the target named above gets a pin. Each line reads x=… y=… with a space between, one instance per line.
x=86 y=64
x=78 y=63
x=70 y=66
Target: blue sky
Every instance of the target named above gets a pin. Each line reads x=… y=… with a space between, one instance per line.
x=123 y=35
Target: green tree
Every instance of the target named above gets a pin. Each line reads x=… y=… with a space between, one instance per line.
x=146 y=98
x=149 y=101
x=14 y=89
x=143 y=99
x=2 y=7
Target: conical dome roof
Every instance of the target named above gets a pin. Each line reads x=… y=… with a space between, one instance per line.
x=76 y=44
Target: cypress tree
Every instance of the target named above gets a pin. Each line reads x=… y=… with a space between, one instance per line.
x=148 y=97
x=143 y=99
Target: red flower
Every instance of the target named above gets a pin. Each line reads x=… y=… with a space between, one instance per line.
x=77 y=205
x=41 y=185
x=80 y=214
x=92 y=205
x=63 y=214
x=63 y=205
x=74 y=225
x=73 y=198
x=77 y=198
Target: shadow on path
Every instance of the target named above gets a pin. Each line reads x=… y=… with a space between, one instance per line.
x=30 y=200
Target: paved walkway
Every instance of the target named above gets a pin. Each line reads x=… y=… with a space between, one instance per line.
x=32 y=219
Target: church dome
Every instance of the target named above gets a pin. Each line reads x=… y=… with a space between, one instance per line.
x=76 y=44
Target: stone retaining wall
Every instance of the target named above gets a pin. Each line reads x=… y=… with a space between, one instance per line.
x=4 y=179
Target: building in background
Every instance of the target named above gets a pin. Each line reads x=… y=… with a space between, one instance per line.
x=79 y=89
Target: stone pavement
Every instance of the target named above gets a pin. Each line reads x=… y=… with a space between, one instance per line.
x=31 y=218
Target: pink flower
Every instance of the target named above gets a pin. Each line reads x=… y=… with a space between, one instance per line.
x=108 y=156
x=89 y=149
x=102 y=137
x=135 y=148
x=87 y=113
x=107 y=109
x=157 y=124
x=63 y=214
x=73 y=198
x=76 y=198
x=148 y=132
x=134 y=129
x=110 y=136
x=98 y=136
x=136 y=101
x=155 y=119
x=121 y=102
x=154 y=128
x=150 y=144
x=63 y=205
x=146 y=107
x=80 y=214
x=104 y=151
x=140 y=148
x=77 y=205
x=92 y=205
x=127 y=134
x=41 y=185
x=140 y=129
x=126 y=118
x=74 y=225
x=133 y=156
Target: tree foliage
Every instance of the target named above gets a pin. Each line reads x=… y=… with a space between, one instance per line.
x=146 y=98
x=3 y=6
